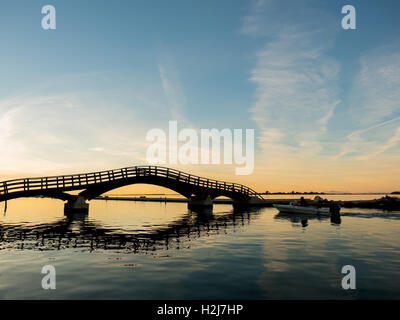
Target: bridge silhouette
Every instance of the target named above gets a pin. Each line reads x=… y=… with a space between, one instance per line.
x=198 y=190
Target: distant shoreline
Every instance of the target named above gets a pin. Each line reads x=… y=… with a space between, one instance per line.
x=386 y=202
x=261 y=193
x=329 y=193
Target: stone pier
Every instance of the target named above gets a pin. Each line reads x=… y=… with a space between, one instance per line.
x=76 y=205
x=252 y=202
x=200 y=202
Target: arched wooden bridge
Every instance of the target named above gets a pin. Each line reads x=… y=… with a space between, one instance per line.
x=200 y=191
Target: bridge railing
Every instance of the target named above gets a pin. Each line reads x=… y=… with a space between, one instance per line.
x=83 y=180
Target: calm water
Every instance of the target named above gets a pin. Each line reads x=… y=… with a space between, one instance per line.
x=137 y=250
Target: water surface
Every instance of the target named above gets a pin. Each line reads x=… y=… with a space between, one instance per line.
x=144 y=250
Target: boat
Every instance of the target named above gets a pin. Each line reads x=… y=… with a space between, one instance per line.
x=291 y=208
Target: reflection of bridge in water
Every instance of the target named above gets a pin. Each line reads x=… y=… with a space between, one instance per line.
x=77 y=231
x=199 y=191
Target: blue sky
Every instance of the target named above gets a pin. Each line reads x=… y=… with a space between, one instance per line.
x=324 y=101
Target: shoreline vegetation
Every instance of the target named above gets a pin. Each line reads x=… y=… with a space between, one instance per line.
x=383 y=203
x=328 y=193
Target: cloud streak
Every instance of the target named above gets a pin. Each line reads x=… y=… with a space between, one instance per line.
x=173 y=91
x=375 y=104
x=48 y=134
x=299 y=104
x=296 y=80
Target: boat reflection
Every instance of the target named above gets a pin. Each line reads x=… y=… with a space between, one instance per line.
x=303 y=219
x=78 y=231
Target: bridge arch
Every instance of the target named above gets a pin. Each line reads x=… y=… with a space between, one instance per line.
x=98 y=190
x=96 y=183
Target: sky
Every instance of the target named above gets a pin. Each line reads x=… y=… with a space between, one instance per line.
x=323 y=101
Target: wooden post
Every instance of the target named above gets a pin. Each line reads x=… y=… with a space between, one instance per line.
x=5 y=193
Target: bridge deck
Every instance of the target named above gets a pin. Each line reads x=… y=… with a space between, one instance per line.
x=30 y=186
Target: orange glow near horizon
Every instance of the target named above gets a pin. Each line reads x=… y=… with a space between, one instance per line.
x=280 y=175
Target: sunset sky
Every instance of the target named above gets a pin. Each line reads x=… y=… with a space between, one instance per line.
x=324 y=102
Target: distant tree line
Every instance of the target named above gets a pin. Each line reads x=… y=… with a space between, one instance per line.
x=294 y=192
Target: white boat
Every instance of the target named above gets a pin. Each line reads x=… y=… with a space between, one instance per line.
x=290 y=208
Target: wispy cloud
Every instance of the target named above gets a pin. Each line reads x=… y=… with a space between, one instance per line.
x=89 y=125
x=46 y=134
x=297 y=94
x=369 y=142
x=173 y=91
x=376 y=92
x=375 y=104
x=296 y=80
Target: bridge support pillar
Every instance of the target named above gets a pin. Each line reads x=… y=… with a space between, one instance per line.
x=252 y=202
x=200 y=202
x=76 y=205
